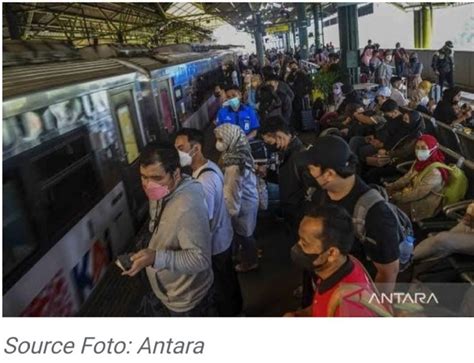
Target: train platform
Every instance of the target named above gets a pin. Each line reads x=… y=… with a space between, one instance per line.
x=267 y=291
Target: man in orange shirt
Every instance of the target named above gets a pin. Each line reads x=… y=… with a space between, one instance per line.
x=342 y=286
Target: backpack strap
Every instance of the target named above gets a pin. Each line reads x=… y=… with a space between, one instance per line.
x=362 y=207
x=205 y=170
x=432 y=166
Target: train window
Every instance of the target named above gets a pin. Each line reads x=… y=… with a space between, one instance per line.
x=49 y=165
x=19 y=240
x=11 y=133
x=67 y=113
x=99 y=101
x=32 y=125
x=128 y=133
x=70 y=197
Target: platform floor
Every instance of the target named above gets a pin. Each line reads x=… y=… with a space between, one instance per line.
x=267 y=291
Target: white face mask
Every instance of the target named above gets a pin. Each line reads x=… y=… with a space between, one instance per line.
x=423 y=155
x=424 y=101
x=220 y=146
x=184 y=158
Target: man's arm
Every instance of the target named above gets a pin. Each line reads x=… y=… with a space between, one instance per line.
x=386 y=276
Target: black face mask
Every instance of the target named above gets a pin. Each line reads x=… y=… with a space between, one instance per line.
x=302 y=259
x=217 y=94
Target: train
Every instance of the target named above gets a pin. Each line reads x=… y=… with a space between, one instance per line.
x=74 y=123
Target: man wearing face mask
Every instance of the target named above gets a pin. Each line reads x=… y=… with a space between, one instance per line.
x=292 y=181
x=178 y=257
x=332 y=164
x=235 y=113
x=228 y=296
x=342 y=286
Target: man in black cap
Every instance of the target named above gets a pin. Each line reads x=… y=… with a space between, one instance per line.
x=332 y=164
x=443 y=64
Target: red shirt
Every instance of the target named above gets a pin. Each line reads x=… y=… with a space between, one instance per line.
x=347 y=287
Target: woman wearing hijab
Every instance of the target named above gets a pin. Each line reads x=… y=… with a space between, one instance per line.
x=240 y=190
x=418 y=192
x=447 y=110
x=385 y=161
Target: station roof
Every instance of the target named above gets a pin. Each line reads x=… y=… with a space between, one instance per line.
x=150 y=23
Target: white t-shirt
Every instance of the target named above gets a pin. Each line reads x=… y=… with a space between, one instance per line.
x=221 y=225
x=399 y=98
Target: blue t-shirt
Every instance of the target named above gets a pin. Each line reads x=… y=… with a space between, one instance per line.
x=245 y=117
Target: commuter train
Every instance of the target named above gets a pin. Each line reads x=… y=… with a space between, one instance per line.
x=73 y=127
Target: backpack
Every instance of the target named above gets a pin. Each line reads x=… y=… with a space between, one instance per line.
x=373 y=196
x=456 y=187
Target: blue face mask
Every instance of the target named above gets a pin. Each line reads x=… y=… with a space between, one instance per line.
x=234 y=103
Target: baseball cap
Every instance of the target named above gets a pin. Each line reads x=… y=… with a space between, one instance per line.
x=383 y=91
x=328 y=151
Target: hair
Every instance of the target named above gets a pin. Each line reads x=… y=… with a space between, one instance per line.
x=351 y=108
x=292 y=62
x=338 y=230
x=165 y=154
x=389 y=106
x=220 y=85
x=387 y=52
x=395 y=79
x=274 y=124
x=193 y=135
x=272 y=77
x=267 y=71
x=334 y=56
x=232 y=88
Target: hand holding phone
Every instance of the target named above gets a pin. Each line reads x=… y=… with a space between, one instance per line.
x=124 y=262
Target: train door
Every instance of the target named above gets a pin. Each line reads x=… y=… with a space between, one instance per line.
x=132 y=142
x=166 y=105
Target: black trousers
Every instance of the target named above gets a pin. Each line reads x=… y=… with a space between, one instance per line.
x=151 y=306
x=228 y=296
x=446 y=77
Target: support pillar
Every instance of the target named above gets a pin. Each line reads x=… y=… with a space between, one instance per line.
x=293 y=30
x=302 y=30
x=320 y=6
x=317 y=20
x=287 y=42
x=13 y=22
x=259 y=39
x=349 y=42
x=427 y=26
x=417 y=28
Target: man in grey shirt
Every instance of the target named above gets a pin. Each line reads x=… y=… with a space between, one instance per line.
x=178 y=257
x=228 y=295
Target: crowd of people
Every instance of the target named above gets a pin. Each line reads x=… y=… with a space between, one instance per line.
x=347 y=208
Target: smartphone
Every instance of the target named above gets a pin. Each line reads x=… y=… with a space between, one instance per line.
x=124 y=262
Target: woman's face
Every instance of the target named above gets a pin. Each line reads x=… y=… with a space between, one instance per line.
x=421 y=145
